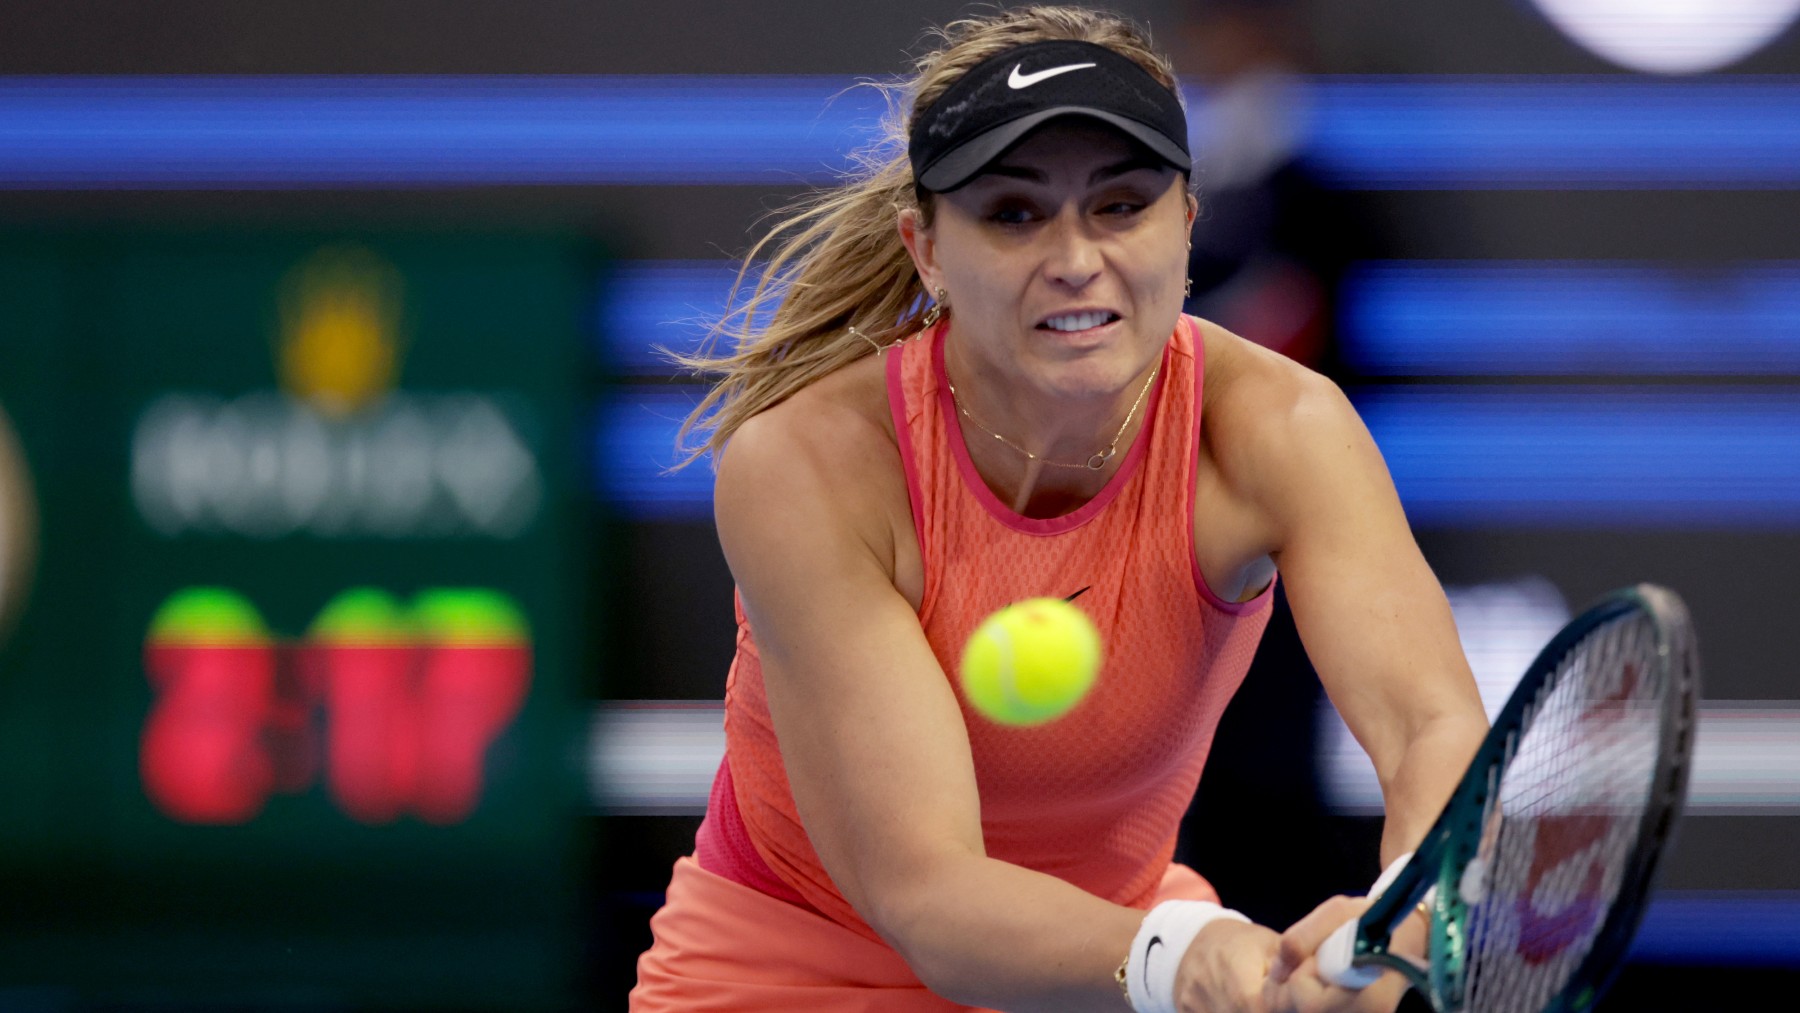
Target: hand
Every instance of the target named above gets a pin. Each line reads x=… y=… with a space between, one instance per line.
x=1224 y=969
x=1294 y=982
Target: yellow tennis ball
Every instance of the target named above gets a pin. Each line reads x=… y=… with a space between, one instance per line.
x=1030 y=662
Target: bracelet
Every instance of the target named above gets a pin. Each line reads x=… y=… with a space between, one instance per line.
x=1147 y=977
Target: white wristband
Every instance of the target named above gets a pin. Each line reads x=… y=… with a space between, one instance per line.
x=1156 y=953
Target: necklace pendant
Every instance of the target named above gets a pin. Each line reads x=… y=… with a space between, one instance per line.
x=1098 y=461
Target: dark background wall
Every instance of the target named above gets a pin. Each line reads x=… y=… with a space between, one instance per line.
x=665 y=630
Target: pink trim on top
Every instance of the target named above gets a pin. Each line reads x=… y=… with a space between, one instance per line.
x=1267 y=594
x=896 y=391
x=1140 y=445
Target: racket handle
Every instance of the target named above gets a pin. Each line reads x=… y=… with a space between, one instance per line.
x=1339 y=949
x=1334 y=958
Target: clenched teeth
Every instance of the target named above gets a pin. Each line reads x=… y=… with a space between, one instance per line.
x=1079 y=321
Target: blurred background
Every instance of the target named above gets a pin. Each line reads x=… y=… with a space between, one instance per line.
x=356 y=652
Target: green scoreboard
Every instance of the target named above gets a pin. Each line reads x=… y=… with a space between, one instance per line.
x=291 y=697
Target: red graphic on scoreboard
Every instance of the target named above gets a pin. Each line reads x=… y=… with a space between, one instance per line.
x=411 y=700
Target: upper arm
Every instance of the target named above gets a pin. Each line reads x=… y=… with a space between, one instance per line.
x=873 y=740
x=1374 y=619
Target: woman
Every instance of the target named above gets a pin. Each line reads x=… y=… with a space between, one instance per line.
x=1050 y=425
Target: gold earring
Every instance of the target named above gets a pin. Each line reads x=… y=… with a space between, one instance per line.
x=1189 y=293
x=937 y=308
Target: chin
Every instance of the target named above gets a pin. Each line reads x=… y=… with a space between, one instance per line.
x=1092 y=376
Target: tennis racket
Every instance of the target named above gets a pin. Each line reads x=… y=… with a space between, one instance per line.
x=1536 y=874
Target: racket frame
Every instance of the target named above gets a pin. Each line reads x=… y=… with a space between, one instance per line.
x=1454 y=840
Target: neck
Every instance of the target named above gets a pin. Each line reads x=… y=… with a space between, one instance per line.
x=1046 y=457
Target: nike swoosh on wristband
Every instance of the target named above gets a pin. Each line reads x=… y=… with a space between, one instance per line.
x=1154 y=942
x=1017 y=80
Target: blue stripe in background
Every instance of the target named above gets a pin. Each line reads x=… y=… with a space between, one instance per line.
x=1426 y=318
x=634 y=447
x=646 y=305
x=1610 y=456
x=1373 y=133
x=1402 y=318
x=1460 y=455
x=1568 y=133
x=399 y=131
x=1754 y=930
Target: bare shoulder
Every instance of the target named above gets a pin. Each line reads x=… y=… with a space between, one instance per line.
x=1267 y=419
x=825 y=457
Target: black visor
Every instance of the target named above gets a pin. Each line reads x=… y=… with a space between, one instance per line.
x=1000 y=100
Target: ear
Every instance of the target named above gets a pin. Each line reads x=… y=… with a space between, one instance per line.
x=920 y=245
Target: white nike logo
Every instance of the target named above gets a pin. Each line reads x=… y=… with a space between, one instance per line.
x=1018 y=80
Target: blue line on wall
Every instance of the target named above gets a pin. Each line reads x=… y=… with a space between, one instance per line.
x=422 y=131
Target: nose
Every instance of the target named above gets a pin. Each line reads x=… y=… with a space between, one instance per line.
x=1073 y=258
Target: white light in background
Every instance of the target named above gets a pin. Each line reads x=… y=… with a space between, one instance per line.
x=1672 y=36
x=655 y=757
x=1503 y=626
x=266 y=465
x=659 y=757
x=1746 y=753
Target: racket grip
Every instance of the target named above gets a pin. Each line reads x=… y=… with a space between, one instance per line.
x=1336 y=953
x=1334 y=958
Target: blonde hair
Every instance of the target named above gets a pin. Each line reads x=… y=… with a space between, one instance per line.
x=838 y=283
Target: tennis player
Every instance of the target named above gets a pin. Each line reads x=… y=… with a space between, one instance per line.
x=977 y=386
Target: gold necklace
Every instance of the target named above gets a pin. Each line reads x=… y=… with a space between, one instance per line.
x=1094 y=463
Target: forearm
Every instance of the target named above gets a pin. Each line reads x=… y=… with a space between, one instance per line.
x=984 y=932
x=1419 y=784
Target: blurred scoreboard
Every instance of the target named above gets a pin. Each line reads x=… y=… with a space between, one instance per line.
x=292 y=709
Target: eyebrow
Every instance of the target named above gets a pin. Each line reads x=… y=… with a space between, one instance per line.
x=1105 y=172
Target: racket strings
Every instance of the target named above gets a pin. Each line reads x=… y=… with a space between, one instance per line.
x=1559 y=831
x=1544 y=846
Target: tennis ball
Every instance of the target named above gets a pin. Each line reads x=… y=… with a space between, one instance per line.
x=1030 y=662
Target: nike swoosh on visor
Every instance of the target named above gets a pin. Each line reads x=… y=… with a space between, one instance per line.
x=1017 y=80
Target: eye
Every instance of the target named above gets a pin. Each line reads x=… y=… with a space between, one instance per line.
x=1012 y=214
x=1122 y=207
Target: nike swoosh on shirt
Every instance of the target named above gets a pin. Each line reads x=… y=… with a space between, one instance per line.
x=1017 y=80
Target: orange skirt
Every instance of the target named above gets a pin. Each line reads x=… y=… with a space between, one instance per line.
x=722 y=946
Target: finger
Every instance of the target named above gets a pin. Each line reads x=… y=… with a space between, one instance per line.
x=1302 y=992
x=1306 y=991
x=1302 y=938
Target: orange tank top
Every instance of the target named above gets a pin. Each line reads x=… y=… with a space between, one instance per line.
x=1095 y=797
